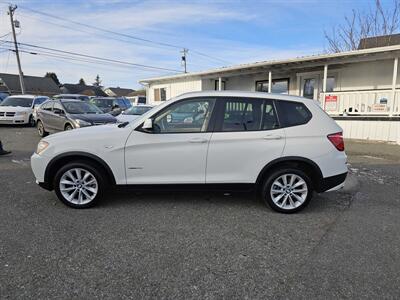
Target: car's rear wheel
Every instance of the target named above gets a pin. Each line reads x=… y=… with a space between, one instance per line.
x=40 y=127
x=79 y=184
x=287 y=190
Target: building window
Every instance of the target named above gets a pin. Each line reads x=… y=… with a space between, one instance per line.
x=279 y=86
x=160 y=94
x=330 y=84
x=216 y=85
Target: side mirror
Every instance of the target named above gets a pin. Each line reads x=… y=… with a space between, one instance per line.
x=115 y=106
x=148 y=124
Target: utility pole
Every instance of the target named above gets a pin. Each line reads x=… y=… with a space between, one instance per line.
x=183 y=62
x=11 y=10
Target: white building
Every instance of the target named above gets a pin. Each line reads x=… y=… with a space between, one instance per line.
x=360 y=88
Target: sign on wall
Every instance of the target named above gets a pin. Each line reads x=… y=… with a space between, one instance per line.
x=331 y=103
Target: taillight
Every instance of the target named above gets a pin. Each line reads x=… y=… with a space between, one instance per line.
x=337 y=140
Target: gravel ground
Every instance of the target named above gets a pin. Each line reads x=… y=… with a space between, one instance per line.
x=188 y=245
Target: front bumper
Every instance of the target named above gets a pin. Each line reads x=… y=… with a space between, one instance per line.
x=38 y=165
x=17 y=119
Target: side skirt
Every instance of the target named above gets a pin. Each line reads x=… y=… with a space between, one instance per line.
x=237 y=187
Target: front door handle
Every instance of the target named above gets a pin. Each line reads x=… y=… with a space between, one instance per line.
x=198 y=140
x=272 y=137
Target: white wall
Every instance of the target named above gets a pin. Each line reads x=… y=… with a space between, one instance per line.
x=367 y=76
x=174 y=88
x=387 y=131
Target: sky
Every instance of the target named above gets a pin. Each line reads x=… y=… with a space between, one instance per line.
x=217 y=33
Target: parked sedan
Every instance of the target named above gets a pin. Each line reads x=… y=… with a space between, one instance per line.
x=60 y=115
x=134 y=112
x=19 y=109
x=111 y=105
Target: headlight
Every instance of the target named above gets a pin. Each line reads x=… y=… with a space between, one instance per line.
x=21 y=113
x=81 y=123
x=41 y=147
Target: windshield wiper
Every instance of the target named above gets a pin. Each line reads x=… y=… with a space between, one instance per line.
x=122 y=125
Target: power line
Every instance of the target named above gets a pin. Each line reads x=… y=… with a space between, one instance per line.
x=124 y=34
x=98 y=58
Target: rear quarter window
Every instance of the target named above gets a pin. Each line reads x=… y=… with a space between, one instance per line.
x=292 y=113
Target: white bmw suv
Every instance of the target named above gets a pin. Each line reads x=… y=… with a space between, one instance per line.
x=283 y=147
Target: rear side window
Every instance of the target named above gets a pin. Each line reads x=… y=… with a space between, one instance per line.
x=248 y=115
x=292 y=113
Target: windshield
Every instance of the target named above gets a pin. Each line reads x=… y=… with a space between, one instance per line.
x=13 y=101
x=104 y=103
x=137 y=110
x=81 y=108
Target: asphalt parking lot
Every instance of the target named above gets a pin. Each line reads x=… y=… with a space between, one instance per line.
x=343 y=245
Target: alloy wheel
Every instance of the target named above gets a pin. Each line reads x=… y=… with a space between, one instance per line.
x=289 y=191
x=78 y=186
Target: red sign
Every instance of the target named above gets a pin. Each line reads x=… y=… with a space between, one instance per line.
x=331 y=103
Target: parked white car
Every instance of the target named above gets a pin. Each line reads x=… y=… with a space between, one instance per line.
x=285 y=147
x=19 y=109
x=133 y=113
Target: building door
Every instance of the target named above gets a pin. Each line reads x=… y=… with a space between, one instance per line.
x=310 y=87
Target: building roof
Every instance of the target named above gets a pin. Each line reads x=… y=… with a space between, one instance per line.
x=379 y=41
x=88 y=90
x=120 y=92
x=33 y=85
x=137 y=93
x=320 y=59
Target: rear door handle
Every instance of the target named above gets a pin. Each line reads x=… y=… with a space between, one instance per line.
x=272 y=137
x=198 y=140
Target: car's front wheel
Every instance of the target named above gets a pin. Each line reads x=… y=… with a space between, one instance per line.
x=68 y=127
x=31 y=121
x=287 y=190
x=40 y=127
x=79 y=184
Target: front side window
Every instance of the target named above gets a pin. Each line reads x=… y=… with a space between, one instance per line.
x=57 y=108
x=184 y=117
x=249 y=115
x=47 y=105
x=292 y=113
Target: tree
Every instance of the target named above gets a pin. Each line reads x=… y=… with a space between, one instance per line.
x=53 y=76
x=362 y=24
x=97 y=81
x=82 y=81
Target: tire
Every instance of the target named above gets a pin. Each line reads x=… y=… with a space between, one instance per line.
x=68 y=127
x=31 y=122
x=67 y=182
x=40 y=127
x=289 y=198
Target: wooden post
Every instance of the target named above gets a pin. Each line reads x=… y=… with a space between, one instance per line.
x=394 y=80
x=269 y=82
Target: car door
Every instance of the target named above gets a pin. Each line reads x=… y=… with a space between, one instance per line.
x=174 y=151
x=46 y=115
x=58 y=119
x=246 y=138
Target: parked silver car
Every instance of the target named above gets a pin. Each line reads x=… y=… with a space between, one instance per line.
x=60 y=115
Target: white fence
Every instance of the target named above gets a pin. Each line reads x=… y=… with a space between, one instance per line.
x=376 y=102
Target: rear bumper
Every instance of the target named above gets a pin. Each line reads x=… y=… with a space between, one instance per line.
x=329 y=183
